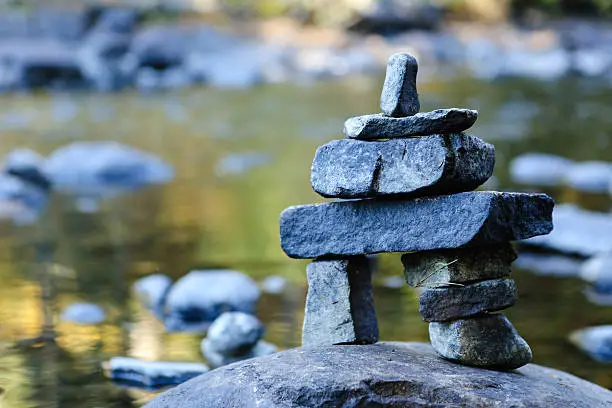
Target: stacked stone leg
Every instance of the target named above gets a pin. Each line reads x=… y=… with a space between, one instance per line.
x=409 y=177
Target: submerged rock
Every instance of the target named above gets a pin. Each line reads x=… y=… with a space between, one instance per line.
x=153 y=374
x=443 y=222
x=84 y=313
x=438 y=164
x=577 y=231
x=440 y=121
x=485 y=341
x=378 y=375
x=199 y=297
x=595 y=341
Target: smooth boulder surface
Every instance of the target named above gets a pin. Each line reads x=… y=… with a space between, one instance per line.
x=488 y=341
x=442 y=222
x=234 y=333
x=440 y=121
x=438 y=164
x=458 y=265
x=447 y=303
x=378 y=375
x=577 y=232
x=399 y=95
x=201 y=296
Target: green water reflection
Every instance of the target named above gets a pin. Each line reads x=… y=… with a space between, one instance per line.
x=205 y=220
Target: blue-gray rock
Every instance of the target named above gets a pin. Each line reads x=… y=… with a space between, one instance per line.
x=116 y=20
x=234 y=333
x=274 y=284
x=379 y=126
x=435 y=268
x=339 y=304
x=378 y=375
x=441 y=304
x=590 y=176
x=438 y=164
x=102 y=60
x=152 y=291
x=549 y=264
x=28 y=166
x=199 y=297
x=218 y=359
x=539 y=169
x=488 y=341
x=153 y=374
x=84 y=313
x=598 y=271
x=595 y=341
x=442 y=222
x=389 y=17
x=105 y=168
x=577 y=232
x=399 y=94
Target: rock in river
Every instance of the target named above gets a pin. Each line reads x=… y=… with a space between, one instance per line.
x=153 y=374
x=595 y=341
x=234 y=333
x=438 y=164
x=399 y=95
x=442 y=222
x=440 y=121
x=378 y=375
x=199 y=297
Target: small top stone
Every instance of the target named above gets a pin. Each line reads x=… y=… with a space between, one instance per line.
x=399 y=95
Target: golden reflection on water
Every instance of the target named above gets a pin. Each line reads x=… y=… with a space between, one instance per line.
x=205 y=220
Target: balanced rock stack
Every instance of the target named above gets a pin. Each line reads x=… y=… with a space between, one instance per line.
x=409 y=177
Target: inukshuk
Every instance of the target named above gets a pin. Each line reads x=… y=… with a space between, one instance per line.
x=410 y=177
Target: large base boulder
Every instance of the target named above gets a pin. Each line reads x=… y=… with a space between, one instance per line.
x=378 y=375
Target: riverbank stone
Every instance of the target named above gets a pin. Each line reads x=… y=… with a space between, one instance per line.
x=379 y=126
x=153 y=374
x=399 y=94
x=378 y=375
x=486 y=341
x=438 y=164
x=339 y=304
x=358 y=227
x=458 y=265
x=454 y=302
x=234 y=333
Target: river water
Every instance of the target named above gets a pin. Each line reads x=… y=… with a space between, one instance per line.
x=217 y=213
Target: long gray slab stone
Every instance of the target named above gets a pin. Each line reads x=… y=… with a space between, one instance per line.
x=379 y=126
x=339 y=305
x=431 y=165
x=359 y=227
x=399 y=95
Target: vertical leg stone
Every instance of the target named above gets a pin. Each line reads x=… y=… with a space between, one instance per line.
x=339 y=304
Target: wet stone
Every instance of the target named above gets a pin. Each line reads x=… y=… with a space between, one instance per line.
x=448 y=303
x=488 y=341
x=399 y=95
x=379 y=126
x=358 y=227
x=458 y=265
x=339 y=304
x=234 y=333
x=438 y=164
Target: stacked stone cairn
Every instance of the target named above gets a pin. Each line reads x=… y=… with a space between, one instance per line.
x=405 y=181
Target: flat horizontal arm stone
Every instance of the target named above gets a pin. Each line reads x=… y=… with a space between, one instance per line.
x=449 y=303
x=379 y=126
x=438 y=164
x=458 y=265
x=442 y=222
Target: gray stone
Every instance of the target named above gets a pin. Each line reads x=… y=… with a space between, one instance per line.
x=153 y=374
x=379 y=126
x=488 y=341
x=339 y=305
x=234 y=333
x=152 y=290
x=458 y=265
x=438 y=164
x=443 y=304
x=84 y=313
x=577 y=232
x=539 y=169
x=595 y=341
x=441 y=222
x=549 y=264
x=399 y=94
x=218 y=359
x=390 y=375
